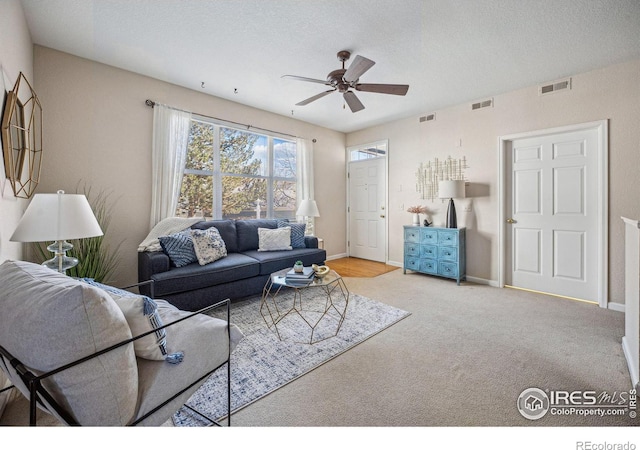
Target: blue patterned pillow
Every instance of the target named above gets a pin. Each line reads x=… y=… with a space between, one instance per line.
x=208 y=245
x=179 y=248
x=297 y=232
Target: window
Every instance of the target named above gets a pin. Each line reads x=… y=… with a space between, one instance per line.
x=236 y=174
x=375 y=150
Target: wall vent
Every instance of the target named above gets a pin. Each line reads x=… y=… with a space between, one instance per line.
x=428 y=117
x=482 y=104
x=555 y=86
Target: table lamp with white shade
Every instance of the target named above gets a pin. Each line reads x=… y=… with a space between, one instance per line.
x=308 y=209
x=451 y=189
x=57 y=217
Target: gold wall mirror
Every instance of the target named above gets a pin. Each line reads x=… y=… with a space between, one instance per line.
x=22 y=138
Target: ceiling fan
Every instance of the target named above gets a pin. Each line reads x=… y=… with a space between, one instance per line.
x=344 y=80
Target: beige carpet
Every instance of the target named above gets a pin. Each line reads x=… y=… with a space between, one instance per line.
x=461 y=359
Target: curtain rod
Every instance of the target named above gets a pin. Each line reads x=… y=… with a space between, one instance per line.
x=248 y=127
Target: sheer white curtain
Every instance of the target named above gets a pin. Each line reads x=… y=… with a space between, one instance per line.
x=304 y=185
x=169 y=150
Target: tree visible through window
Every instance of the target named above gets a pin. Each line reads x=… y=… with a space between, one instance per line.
x=231 y=173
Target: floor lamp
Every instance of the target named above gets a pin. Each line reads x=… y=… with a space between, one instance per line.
x=451 y=189
x=57 y=217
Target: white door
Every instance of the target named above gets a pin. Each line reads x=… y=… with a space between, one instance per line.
x=552 y=214
x=367 y=209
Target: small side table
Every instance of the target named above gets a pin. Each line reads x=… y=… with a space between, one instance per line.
x=320 y=243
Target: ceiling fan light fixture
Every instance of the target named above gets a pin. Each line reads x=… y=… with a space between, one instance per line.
x=342 y=80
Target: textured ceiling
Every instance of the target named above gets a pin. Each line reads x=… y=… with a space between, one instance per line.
x=449 y=52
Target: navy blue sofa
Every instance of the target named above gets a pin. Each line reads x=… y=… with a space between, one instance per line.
x=242 y=273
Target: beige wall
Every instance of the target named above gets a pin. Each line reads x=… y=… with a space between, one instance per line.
x=97 y=129
x=16 y=55
x=612 y=93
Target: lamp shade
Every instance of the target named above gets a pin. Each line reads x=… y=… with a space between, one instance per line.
x=308 y=208
x=451 y=189
x=57 y=217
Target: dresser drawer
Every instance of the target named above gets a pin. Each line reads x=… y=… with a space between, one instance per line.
x=428 y=251
x=448 y=269
x=412 y=235
x=448 y=238
x=412 y=263
x=429 y=266
x=448 y=253
x=411 y=249
x=428 y=236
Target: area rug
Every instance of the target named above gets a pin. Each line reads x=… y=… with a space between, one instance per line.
x=262 y=363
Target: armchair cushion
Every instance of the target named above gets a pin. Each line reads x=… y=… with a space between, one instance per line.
x=49 y=320
x=142 y=316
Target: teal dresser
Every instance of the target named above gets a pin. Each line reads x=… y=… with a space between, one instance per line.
x=435 y=251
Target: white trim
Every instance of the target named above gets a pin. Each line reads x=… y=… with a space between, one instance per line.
x=478 y=280
x=613 y=306
x=635 y=377
x=338 y=256
x=603 y=200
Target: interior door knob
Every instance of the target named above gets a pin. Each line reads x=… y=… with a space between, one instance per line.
x=382 y=216
x=510 y=220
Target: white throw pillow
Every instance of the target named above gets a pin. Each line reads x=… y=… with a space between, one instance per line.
x=274 y=239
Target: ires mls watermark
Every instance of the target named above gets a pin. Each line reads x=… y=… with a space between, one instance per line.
x=534 y=403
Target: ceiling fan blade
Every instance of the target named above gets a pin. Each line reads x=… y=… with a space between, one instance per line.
x=312 y=80
x=354 y=104
x=315 y=97
x=394 y=89
x=359 y=66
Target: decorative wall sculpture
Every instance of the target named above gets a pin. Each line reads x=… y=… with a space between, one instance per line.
x=22 y=138
x=431 y=172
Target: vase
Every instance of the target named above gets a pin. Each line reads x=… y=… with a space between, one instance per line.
x=416 y=219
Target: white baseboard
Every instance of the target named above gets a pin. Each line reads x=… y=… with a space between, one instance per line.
x=478 y=280
x=630 y=362
x=616 y=306
x=338 y=256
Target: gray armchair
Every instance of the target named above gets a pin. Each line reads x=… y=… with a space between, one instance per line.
x=77 y=351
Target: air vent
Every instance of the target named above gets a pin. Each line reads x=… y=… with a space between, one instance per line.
x=482 y=104
x=556 y=86
x=428 y=117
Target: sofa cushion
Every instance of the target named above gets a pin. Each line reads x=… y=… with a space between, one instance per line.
x=235 y=266
x=272 y=240
x=179 y=248
x=247 y=231
x=48 y=319
x=273 y=261
x=297 y=232
x=208 y=245
x=227 y=230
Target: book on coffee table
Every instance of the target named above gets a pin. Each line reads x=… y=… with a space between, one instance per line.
x=307 y=273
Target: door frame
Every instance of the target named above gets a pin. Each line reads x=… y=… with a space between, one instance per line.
x=601 y=126
x=386 y=194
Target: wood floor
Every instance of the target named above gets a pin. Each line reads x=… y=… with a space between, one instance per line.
x=356 y=267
